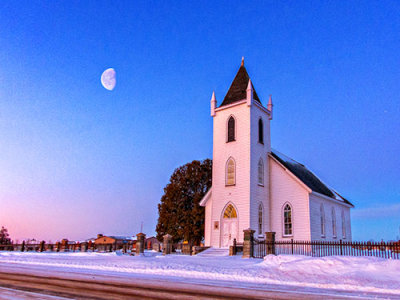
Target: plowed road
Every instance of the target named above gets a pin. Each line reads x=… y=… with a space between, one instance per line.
x=22 y=281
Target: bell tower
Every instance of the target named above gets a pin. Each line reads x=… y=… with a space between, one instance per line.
x=241 y=143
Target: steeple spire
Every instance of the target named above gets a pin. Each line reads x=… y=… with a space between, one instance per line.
x=242 y=63
x=213 y=104
x=269 y=107
x=238 y=89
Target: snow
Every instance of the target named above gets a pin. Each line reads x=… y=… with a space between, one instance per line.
x=289 y=160
x=360 y=274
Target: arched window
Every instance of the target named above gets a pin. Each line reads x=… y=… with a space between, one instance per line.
x=343 y=225
x=230 y=172
x=322 y=216
x=231 y=129
x=260 y=172
x=260 y=131
x=287 y=220
x=260 y=219
x=333 y=222
x=230 y=212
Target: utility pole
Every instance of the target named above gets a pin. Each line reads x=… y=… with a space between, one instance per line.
x=398 y=237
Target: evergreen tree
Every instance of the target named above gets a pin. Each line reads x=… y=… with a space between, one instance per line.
x=180 y=214
x=4 y=236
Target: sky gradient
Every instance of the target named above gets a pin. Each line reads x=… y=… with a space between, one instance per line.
x=77 y=160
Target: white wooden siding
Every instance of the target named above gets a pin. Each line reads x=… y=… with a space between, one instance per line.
x=286 y=189
x=315 y=219
x=259 y=194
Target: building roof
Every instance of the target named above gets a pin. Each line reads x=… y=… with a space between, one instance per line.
x=307 y=177
x=237 y=90
x=117 y=237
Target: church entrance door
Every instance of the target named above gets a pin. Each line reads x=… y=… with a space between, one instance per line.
x=229 y=226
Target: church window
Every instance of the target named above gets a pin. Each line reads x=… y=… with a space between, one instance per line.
x=260 y=219
x=230 y=172
x=343 y=225
x=333 y=222
x=322 y=216
x=230 y=212
x=260 y=131
x=287 y=220
x=260 y=172
x=231 y=129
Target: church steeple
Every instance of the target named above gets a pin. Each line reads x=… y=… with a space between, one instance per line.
x=238 y=88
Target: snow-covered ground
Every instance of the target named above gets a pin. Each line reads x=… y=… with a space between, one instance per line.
x=361 y=274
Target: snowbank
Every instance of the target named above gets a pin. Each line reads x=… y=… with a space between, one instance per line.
x=363 y=274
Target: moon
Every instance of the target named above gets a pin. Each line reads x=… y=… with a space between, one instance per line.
x=108 y=79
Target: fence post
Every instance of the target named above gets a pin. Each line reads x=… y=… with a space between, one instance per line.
x=23 y=246
x=341 y=247
x=270 y=241
x=292 y=247
x=248 y=243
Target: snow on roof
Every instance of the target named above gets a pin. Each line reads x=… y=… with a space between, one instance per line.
x=121 y=237
x=307 y=176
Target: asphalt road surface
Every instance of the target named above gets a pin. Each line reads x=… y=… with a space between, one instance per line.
x=23 y=283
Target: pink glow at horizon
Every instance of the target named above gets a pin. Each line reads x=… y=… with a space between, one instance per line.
x=76 y=220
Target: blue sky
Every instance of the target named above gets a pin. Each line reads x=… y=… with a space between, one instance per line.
x=77 y=160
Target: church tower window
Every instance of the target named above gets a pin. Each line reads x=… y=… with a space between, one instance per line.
x=230 y=172
x=260 y=220
x=260 y=172
x=287 y=220
x=230 y=212
x=231 y=129
x=260 y=131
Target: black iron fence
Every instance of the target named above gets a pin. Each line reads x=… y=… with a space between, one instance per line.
x=389 y=250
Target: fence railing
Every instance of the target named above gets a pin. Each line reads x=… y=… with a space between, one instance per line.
x=59 y=247
x=389 y=250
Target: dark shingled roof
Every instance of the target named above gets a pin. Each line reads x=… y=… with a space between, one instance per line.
x=238 y=88
x=306 y=176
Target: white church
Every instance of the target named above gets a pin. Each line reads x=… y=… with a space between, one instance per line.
x=256 y=187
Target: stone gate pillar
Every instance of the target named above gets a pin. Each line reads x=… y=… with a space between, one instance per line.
x=140 y=243
x=84 y=246
x=167 y=244
x=41 y=247
x=248 y=243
